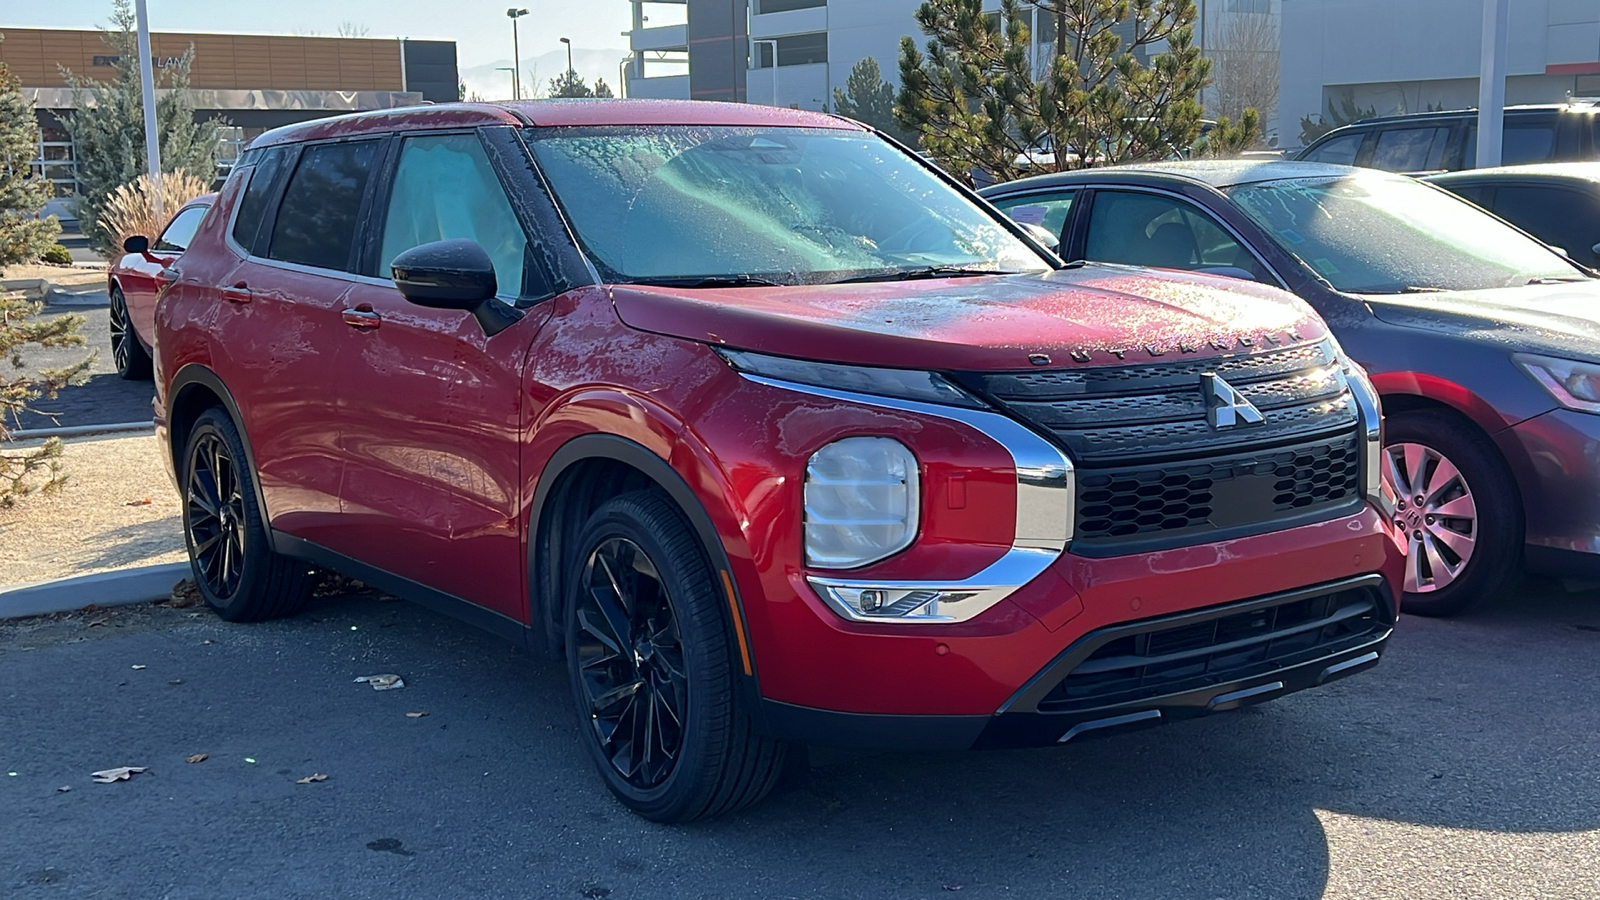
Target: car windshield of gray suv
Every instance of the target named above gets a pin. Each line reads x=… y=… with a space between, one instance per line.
x=1388 y=235
x=708 y=206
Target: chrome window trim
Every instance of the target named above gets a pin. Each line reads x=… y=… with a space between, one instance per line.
x=1371 y=422
x=1178 y=195
x=1046 y=507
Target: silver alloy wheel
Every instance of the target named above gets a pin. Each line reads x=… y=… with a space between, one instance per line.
x=1435 y=509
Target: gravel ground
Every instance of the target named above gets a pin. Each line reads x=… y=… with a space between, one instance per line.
x=90 y=525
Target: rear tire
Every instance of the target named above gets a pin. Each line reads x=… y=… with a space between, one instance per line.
x=647 y=647
x=1466 y=535
x=132 y=360
x=230 y=552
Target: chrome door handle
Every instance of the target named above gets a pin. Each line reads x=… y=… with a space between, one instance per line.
x=361 y=318
x=239 y=293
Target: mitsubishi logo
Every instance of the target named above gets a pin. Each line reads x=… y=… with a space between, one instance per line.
x=1225 y=406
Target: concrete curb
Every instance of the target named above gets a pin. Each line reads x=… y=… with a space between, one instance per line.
x=120 y=588
x=81 y=430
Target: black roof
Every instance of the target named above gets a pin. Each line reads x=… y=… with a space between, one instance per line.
x=1218 y=173
x=1574 y=106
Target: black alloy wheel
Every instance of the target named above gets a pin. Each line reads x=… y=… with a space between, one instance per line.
x=130 y=357
x=630 y=659
x=654 y=672
x=230 y=551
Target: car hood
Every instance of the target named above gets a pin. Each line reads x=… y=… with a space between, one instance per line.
x=1560 y=319
x=1093 y=315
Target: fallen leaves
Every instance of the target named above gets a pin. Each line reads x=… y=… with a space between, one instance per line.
x=146 y=501
x=98 y=622
x=64 y=788
x=121 y=773
x=137 y=668
x=417 y=715
x=184 y=595
x=385 y=682
x=311 y=779
x=198 y=758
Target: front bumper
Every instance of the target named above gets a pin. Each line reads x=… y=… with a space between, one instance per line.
x=1556 y=460
x=1144 y=673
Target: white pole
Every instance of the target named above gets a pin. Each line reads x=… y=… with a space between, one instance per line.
x=147 y=80
x=1492 y=83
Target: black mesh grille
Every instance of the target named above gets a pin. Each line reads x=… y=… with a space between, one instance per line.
x=1221 y=493
x=1177 y=658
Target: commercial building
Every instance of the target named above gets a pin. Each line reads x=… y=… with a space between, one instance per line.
x=1425 y=54
x=254 y=82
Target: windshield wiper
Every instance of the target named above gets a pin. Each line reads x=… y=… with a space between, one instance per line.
x=1544 y=279
x=713 y=281
x=923 y=272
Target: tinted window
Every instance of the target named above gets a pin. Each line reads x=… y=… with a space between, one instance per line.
x=264 y=178
x=180 y=231
x=1409 y=149
x=316 y=222
x=1562 y=218
x=1049 y=211
x=1519 y=143
x=445 y=188
x=1155 y=230
x=1339 y=151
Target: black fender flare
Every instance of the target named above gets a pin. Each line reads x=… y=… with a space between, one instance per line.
x=198 y=375
x=543 y=585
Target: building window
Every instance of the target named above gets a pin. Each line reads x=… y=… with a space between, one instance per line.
x=794 y=50
x=1259 y=7
x=762 y=7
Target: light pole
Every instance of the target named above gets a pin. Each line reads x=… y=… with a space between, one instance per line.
x=147 y=86
x=774 y=67
x=516 y=53
x=568 y=42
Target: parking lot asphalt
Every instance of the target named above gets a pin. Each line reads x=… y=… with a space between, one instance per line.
x=1466 y=765
x=106 y=398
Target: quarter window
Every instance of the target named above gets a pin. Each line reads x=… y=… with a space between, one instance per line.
x=316 y=223
x=445 y=188
x=264 y=180
x=180 y=231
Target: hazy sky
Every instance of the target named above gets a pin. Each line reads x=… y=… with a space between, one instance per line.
x=479 y=27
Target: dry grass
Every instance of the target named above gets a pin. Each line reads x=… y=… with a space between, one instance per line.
x=65 y=276
x=89 y=526
x=130 y=209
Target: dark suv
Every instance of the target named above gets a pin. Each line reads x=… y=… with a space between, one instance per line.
x=776 y=433
x=1434 y=141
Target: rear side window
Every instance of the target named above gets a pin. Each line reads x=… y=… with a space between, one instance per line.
x=180 y=231
x=1339 y=151
x=1410 y=149
x=1520 y=142
x=1561 y=218
x=264 y=177
x=316 y=223
x=1048 y=211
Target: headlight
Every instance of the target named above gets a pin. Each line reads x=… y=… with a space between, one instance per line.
x=862 y=498
x=1573 y=384
x=906 y=384
x=1366 y=400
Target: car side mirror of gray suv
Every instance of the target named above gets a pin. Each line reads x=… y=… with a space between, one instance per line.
x=453 y=274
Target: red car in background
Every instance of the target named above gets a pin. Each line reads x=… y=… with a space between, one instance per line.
x=775 y=432
x=136 y=281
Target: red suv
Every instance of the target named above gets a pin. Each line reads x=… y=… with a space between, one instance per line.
x=775 y=432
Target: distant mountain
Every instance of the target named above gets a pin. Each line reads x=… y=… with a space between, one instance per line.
x=491 y=84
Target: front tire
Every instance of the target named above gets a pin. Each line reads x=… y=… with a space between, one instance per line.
x=647 y=652
x=230 y=553
x=1458 y=506
x=132 y=360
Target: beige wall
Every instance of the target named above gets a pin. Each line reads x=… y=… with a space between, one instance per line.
x=221 y=61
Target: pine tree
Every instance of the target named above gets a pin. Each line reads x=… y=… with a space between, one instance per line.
x=975 y=100
x=571 y=85
x=868 y=98
x=107 y=126
x=39 y=468
x=23 y=236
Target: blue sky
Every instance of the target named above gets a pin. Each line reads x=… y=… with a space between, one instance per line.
x=479 y=27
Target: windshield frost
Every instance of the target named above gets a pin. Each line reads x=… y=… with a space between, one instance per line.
x=788 y=205
x=1385 y=235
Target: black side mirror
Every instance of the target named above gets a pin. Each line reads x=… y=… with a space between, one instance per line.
x=453 y=274
x=136 y=244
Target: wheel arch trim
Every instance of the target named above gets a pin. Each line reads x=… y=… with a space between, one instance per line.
x=197 y=376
